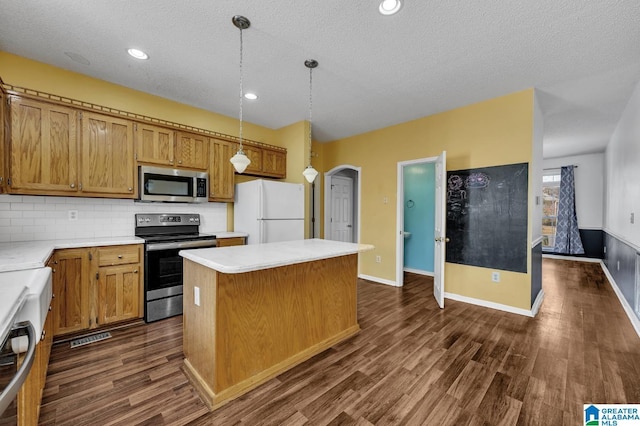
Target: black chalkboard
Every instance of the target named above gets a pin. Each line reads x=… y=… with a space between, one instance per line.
x=487 y=217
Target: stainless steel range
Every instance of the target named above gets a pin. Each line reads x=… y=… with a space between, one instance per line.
x=165 y=235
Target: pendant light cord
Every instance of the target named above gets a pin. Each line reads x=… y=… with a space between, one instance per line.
x=241 y=90
x=310 y=109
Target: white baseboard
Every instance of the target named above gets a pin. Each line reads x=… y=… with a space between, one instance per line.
x=378 y=280
x=537 y=303
x=574 y=258
x=492 y=305
x=635 y=321
x=418 y=271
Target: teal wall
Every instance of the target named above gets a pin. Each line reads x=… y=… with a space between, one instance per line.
x=419 y=192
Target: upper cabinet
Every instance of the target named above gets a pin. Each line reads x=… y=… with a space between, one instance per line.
x=107 y=155
x=43 y=147
x=192 y=151
x=154 y=144
x=221 y=172
x=58 y=146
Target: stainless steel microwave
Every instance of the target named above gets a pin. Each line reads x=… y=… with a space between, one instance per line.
x=173 y=185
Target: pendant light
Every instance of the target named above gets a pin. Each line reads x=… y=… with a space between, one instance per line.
x=240 y=160
x=309 y=172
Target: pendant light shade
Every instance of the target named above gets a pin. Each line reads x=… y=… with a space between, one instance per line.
x=240 y=161
x=309 y=172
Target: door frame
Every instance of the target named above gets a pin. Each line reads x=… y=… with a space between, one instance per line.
x=328 y=201
x=400 y=215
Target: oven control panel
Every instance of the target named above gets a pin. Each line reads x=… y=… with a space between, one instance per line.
x=162 y=219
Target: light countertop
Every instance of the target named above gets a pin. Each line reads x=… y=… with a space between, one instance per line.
x=238 y=259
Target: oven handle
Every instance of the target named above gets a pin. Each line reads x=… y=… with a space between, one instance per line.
x=10 y=392
x=182 y=245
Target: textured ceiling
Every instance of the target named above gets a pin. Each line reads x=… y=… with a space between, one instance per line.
x=374 y=71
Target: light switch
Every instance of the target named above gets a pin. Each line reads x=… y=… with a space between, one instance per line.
x=196 y=296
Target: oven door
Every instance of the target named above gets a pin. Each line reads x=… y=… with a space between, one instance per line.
x=11 y=376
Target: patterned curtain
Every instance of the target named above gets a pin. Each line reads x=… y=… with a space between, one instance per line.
x=567 y=234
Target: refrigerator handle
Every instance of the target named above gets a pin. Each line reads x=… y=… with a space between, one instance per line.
x=263 y=229
x=260 y=204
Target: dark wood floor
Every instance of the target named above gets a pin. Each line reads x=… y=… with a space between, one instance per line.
x=412 y=363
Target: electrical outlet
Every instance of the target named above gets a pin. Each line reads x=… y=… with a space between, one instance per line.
x=605 y=249
x=385 y=200
x=72 y=214
x=196 y=296
x=378 y=259
x=495 y=277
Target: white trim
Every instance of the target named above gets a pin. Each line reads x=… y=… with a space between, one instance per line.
x=620 y=238
x=635 y=321
x=378 y=280
x=327 y=197
x=537 y=303
x=537 y=241
x=487 y=304
x=419 y=272
x=591 y=228
x=574 y=258
x=400 y=214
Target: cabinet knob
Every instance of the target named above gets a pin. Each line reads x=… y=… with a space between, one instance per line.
x=44 y=333
x=135 y=272
x=73 y=185
x=53 y=270
x=130 y=189
x=119 y=256
x=179 y=161
x=50 y=308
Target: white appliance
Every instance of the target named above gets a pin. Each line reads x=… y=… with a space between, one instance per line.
x=269 y=211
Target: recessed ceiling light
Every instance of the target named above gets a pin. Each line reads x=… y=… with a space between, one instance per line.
x=138 y=54
x=389 y=7
x=251 y=96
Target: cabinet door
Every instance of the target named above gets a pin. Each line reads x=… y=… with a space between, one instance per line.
x=254 y=154
x=274 y=163
x=154 y=144
x=43 y=146
x=192 y=151
x=3 y=143
x=118 y=293
x=71 y=290
x=221 y=172
x=107 y=156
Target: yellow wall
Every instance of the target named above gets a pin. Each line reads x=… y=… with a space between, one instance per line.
x=493 y=132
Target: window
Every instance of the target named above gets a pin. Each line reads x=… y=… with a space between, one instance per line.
x=550 y=194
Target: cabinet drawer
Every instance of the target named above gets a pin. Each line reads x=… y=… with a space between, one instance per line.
x=118 y=255
x=234 y=241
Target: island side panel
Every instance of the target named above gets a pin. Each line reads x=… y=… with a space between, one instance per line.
x=272 y=319
x=199 y=327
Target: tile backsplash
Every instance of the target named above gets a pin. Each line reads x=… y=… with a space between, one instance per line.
x=28 y=218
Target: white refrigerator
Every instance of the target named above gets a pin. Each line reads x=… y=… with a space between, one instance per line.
x=269 y=211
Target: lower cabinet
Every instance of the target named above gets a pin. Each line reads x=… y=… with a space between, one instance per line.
x=96 y=286
x=234 y=241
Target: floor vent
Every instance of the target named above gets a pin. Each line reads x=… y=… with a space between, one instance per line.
x=89 y=339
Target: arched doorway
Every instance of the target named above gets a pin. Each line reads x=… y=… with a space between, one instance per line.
x=342 y=203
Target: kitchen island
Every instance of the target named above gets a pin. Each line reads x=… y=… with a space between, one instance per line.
x=252 y=312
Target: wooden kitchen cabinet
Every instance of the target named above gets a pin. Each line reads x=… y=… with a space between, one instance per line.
x=154 y=144
x=108 y=166
x=221 y=171
x=71 y=290
x=119 y=281
x=274 y=163
x=234 y=241
x=4 y=132
x=255 y=155
x=43 y=148
x=192 y=151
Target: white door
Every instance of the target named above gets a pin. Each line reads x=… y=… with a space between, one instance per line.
x=342 y=209
x=440 y=228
